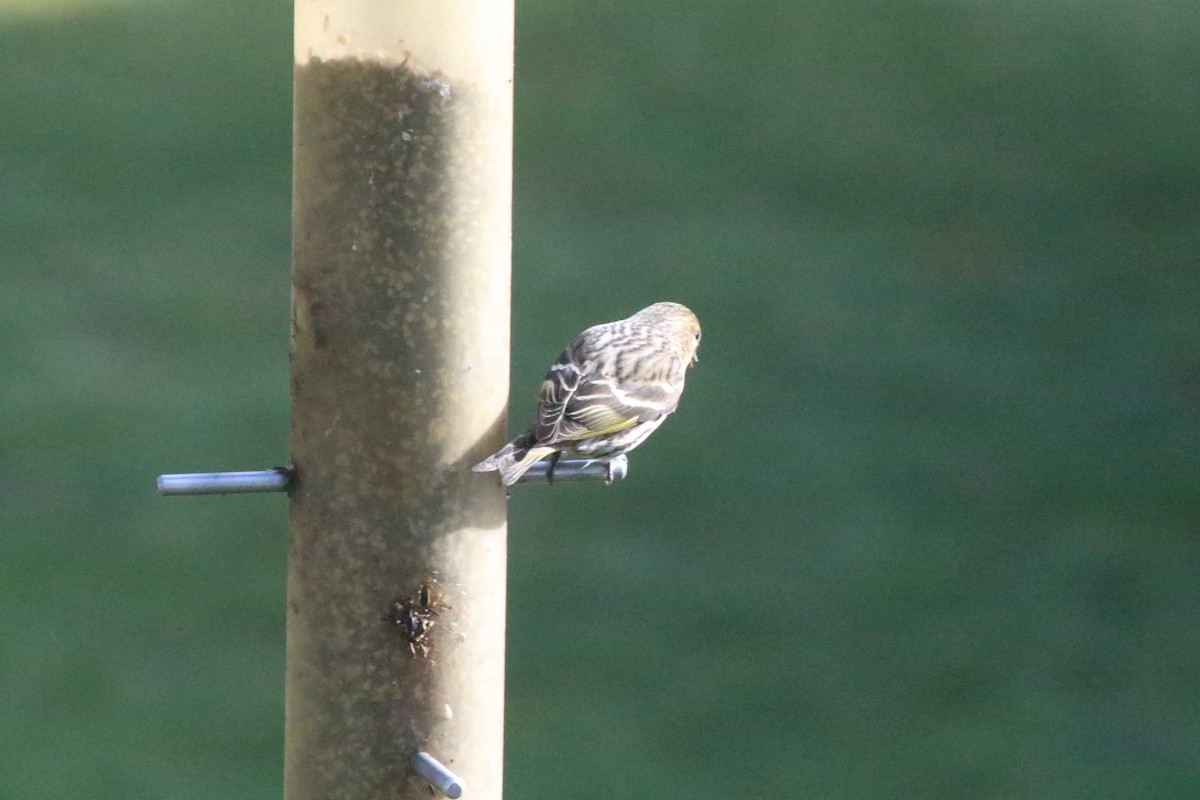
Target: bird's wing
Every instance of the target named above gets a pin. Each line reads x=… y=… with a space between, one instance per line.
x=599 y=405
x=604 y=405
x=559 y=387
x=588 y=393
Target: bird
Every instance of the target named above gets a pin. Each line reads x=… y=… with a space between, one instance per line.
x=609 y=390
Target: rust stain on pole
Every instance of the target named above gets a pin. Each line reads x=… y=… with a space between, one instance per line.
x=399 y=378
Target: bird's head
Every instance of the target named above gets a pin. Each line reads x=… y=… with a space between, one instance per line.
x=677 y=322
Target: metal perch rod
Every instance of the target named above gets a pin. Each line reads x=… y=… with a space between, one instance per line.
x=280 y=479
x=438 y=775
x=567 y=471
x=266 y=480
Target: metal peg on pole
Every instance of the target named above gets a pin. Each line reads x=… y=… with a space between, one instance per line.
x=438 y=775
x=280 y=479
x=263 y=480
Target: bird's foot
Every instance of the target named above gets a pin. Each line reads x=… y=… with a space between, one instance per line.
x=554 y=457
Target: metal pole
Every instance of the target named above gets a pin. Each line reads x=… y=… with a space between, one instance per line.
x=396 y=571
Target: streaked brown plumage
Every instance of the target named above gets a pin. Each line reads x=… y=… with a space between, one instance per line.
x=609 y=390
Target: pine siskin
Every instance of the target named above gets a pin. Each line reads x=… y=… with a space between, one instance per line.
x=609 y=390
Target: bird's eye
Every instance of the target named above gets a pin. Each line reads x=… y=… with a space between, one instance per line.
x=697 y=336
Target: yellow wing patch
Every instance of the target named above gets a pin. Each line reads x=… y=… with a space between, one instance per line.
x=600 y=420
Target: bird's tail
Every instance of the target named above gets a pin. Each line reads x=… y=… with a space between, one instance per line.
x=513 y=460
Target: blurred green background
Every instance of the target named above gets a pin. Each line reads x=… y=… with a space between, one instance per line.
x=925 y=525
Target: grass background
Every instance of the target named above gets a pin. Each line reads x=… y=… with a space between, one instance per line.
x=925 y=525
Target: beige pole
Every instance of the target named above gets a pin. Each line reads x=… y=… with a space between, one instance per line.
x=401 y=239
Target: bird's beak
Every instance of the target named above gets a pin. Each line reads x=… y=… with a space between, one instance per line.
x=695 y=358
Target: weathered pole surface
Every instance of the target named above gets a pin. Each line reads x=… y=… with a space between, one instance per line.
x=401 y=241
